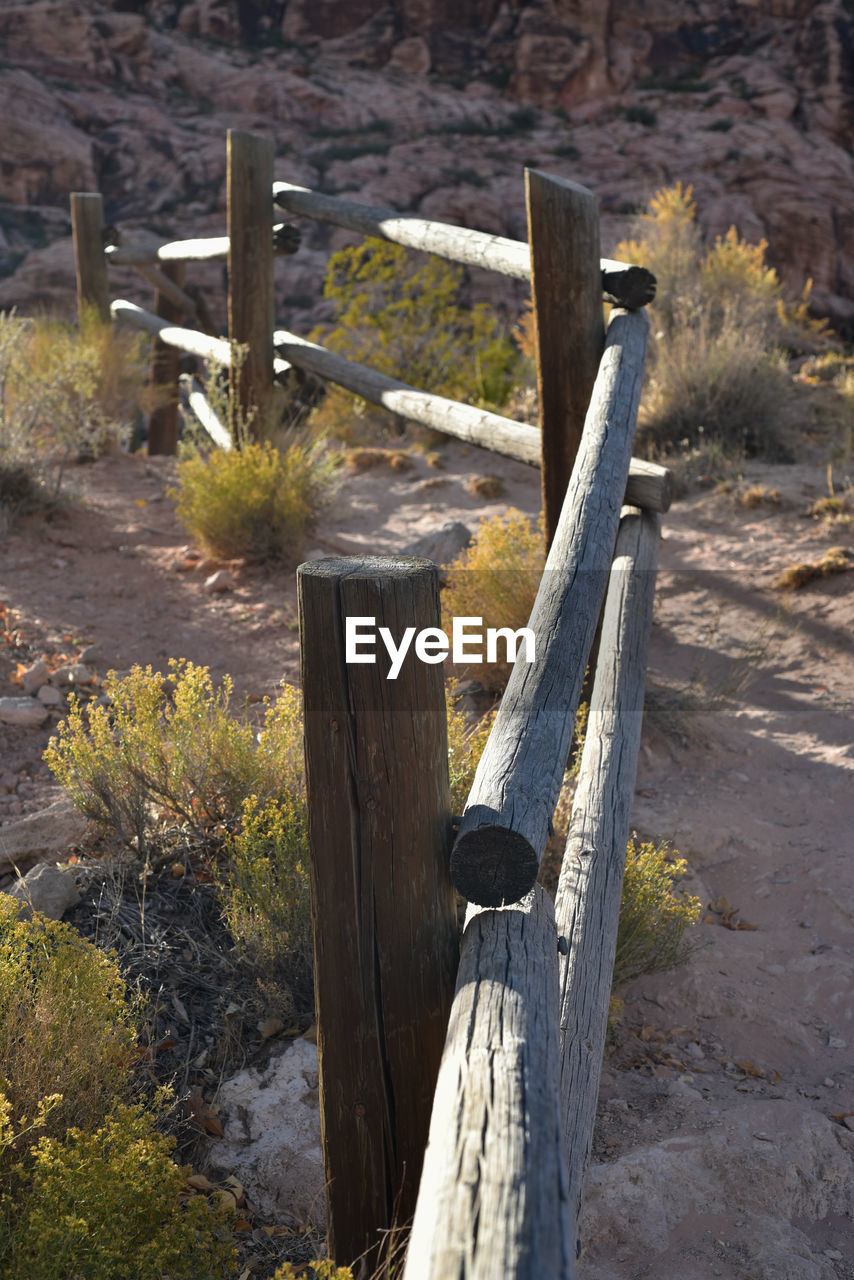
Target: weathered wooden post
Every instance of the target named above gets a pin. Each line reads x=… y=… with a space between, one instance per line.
x=386 y=940
x=87 y=224
x=566 y=292
x=163 y=423
x=250 y=272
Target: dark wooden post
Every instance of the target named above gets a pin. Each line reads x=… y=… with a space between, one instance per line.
x=87 y=223
x=566 y=291
x=250 y=270
x=386 y=940
x=163 y=423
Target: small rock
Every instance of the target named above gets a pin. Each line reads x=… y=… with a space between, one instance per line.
x=272 y=1134
x=46 y=889
x=48 y=696
x=833 y=1254
x=443 y=545
x=25 y=712
x=41 y=836
x=90 y=653
x=218 y=582
x=72 y=673
x=34 y=676
x=829 y=1084
x=8 y=782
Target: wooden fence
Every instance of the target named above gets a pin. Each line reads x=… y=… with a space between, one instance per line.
x=482 y=1065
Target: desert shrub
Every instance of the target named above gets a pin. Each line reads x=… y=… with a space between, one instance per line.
x=107 y=1203
x=175 y=745
x=653 y=917
x=255 y=502
x=496 y=579
x=322 y=1269
x=63 y=390
x=716 y=368
x=67 y=1026
x=402 y=314
x=266 y=892
x=467 y=737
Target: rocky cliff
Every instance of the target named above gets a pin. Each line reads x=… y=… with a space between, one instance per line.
x=432 y=106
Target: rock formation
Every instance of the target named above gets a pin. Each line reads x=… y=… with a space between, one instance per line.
x=430 y=106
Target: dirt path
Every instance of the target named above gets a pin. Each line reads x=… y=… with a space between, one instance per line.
x=717 y=1152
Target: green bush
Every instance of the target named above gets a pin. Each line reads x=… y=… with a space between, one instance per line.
x=175 y=745
x=255 y=502
x=496 y=578
x=67 y=1026
x=653 y=918
x=402 y=314
x=94 y=1206
x=266 y=892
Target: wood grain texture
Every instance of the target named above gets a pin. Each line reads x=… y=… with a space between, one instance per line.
x=587 y=907
x=509 y=810
x=476 y=426
x=620 y=281
x=87 y=222
x=249 y=184
x=198 y=344
x=492 y=1202
x=386 y=940
x=163 y=422
x=566 y=294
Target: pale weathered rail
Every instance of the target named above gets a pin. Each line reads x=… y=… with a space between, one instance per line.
x=587 y=907
x=507 y=818
x=628 y=285
x=492 y=1201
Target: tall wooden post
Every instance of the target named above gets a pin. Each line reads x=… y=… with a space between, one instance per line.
x=250 y=270
x=386 y=940
x=566 y=290
x=163 y=423
x=87 y=222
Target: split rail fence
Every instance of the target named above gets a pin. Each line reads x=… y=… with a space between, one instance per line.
x=500 y=1038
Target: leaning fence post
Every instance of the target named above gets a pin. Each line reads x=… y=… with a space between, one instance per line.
x=385 y=931
x=250 y=270
x=566 y=294
x=87 y=222
x=163 y=423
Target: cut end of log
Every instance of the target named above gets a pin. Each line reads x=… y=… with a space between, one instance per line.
x=493 y=866
x=630 y=287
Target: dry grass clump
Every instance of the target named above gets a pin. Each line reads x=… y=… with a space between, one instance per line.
x=758 y=495
x=653 y=917
x=255 y=502
x=64 y=391
x=467 y=737
x=835 y=560
x=496 y=578
x=367 y=459
x=487 y=487
x=722 y=331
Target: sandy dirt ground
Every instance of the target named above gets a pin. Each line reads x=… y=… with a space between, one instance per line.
x=724 y=1143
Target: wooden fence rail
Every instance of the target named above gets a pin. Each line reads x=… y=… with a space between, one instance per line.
x=509 y=811
x=587 y=906
x=628 y=286
x=493 y=1197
